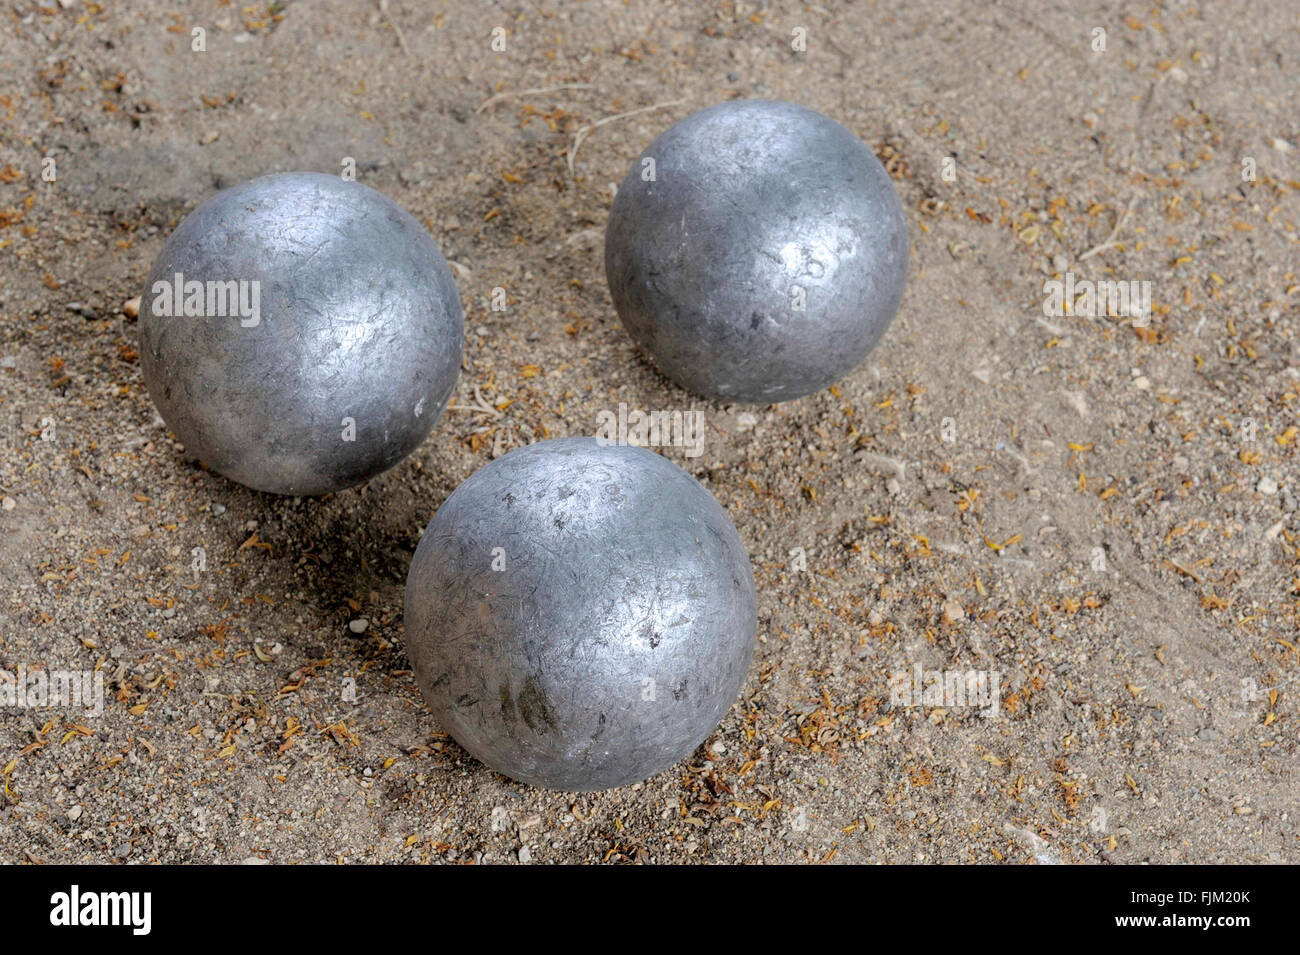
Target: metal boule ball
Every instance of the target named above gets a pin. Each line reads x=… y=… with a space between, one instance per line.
x=756 y=251
x=580 y=616
x=300 y=333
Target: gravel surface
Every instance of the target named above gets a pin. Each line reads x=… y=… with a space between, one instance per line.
x=1094 y=515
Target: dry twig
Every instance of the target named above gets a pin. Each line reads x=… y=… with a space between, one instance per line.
x=1111 y=239
x=581 y=135
x=498 y=97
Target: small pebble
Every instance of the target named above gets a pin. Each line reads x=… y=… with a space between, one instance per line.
x=525 y=855
x=8 y=503
x=1266 y=485
x=952 y=612
x=359 y=625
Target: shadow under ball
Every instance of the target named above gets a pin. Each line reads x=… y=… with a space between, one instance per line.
x=580 y=616
x=761 y=256
x=315 y=338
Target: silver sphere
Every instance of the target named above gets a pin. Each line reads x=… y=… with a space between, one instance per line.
x=756 y=251
x=580 y=616
x=315 y=337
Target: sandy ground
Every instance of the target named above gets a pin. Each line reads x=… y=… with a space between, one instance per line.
x=1107 y=520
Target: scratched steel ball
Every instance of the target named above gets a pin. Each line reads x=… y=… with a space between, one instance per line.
x=300 y=333
x=756 y=251
x=580 y=616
